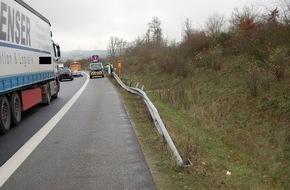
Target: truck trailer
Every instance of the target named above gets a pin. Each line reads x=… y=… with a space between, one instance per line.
x=28 y=56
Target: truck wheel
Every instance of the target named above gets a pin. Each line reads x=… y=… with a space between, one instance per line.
x=15 y=105
x=5 y=115
x=54 y=96
x=47 y=95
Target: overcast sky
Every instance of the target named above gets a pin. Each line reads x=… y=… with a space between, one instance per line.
x=88 y=24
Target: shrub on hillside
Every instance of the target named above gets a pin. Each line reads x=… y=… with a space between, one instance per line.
x=253 y=74
x=215 y=55
x=211 y=58
x=251 y=80
x=278 y=61
x=196 y=42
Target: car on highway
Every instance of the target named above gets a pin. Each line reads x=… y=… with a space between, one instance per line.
x=65 y=74
x=77 y=73
x=96 y=69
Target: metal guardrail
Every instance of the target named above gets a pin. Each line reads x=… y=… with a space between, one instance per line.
x=156 y=118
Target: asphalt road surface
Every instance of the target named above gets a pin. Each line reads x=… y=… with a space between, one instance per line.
x=34 y=119
x=93 y=146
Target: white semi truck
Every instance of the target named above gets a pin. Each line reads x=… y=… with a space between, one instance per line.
x=28 y=68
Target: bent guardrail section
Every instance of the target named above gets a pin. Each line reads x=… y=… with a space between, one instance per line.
x=156 y=119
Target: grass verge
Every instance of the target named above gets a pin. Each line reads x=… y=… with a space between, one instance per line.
x=234 y=141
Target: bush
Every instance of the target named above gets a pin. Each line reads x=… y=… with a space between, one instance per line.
x=210 y=59
x=197 y=41
x=252 y=76
x=252 y=83
x=278 y=62
x=216 y=57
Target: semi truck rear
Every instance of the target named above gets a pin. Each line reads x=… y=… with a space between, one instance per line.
x=28 y=59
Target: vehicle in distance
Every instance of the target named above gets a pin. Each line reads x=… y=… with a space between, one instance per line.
x=96 y=69
x=76 y=73
x=76 y=67
x=65 y=74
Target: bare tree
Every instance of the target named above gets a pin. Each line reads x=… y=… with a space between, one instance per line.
x=117 y=46
x=285 y=7
x=112 y=46
x=273 y=17
x=187 y=29
x=247 y=14
x=121 y=46
x=147 y=36
x=215 y=24
x=156 y=30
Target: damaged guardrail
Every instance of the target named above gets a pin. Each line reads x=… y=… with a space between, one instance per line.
x=156 y=118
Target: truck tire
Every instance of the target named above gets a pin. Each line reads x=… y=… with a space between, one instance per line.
x=15 y=106
x=5 y=115
x=54 y=96
x=48 y=96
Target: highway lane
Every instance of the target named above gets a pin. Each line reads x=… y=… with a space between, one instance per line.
x=34 y=118
x=92 y=147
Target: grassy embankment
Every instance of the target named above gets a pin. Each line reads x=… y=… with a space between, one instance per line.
x=225 y=120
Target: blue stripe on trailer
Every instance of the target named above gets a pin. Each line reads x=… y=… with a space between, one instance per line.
x=18 y=81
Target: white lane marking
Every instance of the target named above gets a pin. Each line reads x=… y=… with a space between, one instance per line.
x=7 y=169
